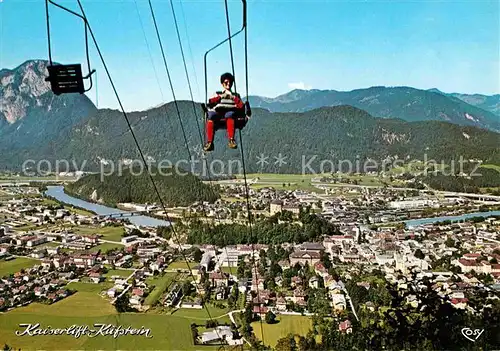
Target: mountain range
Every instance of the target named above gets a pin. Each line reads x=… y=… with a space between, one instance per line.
x=30 y=114
x=35 y=124
x=486 y=102
x=406 y=103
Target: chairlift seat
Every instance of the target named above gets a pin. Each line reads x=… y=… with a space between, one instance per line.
x=240 y=122
x=240 y=119
x=66 y=79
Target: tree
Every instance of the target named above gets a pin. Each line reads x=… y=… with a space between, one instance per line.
x=187 y=287
x=210 y=324
x=488 y=279
x=286 y=343
x=449 y=242
x=419 y=254
x=122 y=304
x=136 y=231
x=248 y=315
x=164 y=232
x=197 y=255
x=325 y=259
x=241 y=269
x=270 y=318
x=263 y=258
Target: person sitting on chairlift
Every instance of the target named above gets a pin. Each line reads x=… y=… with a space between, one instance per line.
x=224 y=104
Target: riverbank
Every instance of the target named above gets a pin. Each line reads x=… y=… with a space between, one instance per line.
x=58 y=193
x=120 y=209
x=68 y=205
x=452 y=219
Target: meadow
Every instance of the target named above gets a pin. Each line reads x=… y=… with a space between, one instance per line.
x=86 y=307
x=287 y=324
x=15 y=265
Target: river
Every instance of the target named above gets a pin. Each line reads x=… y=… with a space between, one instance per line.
x=421 y=221
x=58 y=193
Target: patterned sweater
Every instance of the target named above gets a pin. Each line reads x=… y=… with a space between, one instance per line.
x=217 y=103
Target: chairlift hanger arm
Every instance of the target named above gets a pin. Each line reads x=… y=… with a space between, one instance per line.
x=84 y=19
x=70 y=11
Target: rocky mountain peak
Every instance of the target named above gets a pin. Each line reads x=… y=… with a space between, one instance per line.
x=21 y=88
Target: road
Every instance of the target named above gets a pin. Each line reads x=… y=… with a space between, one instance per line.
x=234 y=322
x=350 y=301
x=126 y=289
x=110 y=242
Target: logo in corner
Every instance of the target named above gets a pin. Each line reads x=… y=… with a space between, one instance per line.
x=472 y=334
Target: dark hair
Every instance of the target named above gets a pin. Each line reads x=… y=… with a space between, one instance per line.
x=225 y=76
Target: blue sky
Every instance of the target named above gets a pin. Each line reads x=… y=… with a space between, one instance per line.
x=341 y=45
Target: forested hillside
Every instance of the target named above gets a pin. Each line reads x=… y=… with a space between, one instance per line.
x=407 y=103
x=134 y=185
x=329 y=134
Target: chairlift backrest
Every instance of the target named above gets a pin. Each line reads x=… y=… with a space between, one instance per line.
x=66 y=79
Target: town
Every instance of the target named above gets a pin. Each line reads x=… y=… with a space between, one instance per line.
x=50 y=251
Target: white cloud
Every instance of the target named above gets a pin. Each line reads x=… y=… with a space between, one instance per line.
x=300 y=85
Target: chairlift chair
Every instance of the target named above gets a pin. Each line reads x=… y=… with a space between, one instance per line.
x=67 y=79
x=240 y=120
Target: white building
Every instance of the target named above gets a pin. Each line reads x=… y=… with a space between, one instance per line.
x=406 y=204
x=206 y=259
x=129 y=239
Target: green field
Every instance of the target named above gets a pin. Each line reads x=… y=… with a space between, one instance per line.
x=495 y=167
x=50 y=244
x=297 y=181
x=303 y=182
x=86 y=308
x=229 y=270
x=195 y=315
x=181 y=265
x=105 y=247
x=108 y=233
x=365 y=179
x=27 y=228
x=120 y=272
x=90 y=287
x=15 y=265
x=79 y=211
x=278 y=177
x=287 y=324
x=161 y=284
x=48 y=202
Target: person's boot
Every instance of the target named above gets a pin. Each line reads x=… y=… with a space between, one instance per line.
x=232 y=144
x=208 y=146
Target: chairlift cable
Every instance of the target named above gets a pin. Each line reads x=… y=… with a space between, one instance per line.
x=247 y=196
x=230 y=44
x=190 y=51
x=48 y=29
x=185 y=68
x=164 y=103
x=169 y=78
x=141 y=153
x=149 y=51
x=199 y=130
